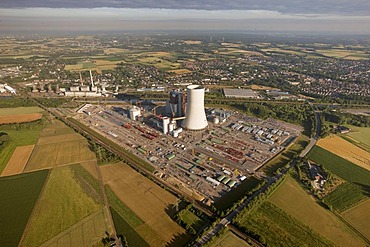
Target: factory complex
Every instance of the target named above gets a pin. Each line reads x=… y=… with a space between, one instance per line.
x=203 y=152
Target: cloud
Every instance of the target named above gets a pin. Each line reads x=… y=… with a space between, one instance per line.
x=341 y=7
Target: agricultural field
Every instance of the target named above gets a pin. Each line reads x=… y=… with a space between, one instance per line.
x=22 y=118
x=341 y=167
x=345 y=150
x=361 y=135
x=295 y=201
x=18 y=137
x=359 y=218
x=229 y=239
x=20 y=110
x=274 y=226
x=18 y=161
x=180 y=71
x=344 y=54
x=137 y=192
x=68 y=197
x=231 y=197
x=18 y=196
x=345 y=196
x=87 y=232
x=60 y=150
x=125 y=220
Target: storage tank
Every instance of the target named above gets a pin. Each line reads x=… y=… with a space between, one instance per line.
x=195 y=115
x=216 y=120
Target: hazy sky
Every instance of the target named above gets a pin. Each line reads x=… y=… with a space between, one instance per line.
x=262 y=15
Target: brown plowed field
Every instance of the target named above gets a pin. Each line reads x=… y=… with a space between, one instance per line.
x=18 y=161
x=21 y=118
x=147 y=200
x=346 y=150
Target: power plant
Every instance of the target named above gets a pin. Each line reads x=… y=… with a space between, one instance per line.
x=195 y=116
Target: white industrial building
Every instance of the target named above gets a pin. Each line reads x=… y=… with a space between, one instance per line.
x=134 y=112
x=195 y=116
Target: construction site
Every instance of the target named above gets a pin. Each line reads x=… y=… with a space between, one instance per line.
x=203 y=152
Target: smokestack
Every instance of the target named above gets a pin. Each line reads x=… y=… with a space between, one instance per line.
x=92 y=81
x=81 y=82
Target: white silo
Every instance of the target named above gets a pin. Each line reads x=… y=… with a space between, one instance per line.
x=195 y=116
x=134 y=113
x=166 y=122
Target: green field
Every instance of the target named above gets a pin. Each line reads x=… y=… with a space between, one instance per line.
x=341 y=167
x=274 y=226
x=192 y=220
x=19 y=137
x=345 y=196
x=20 y=110
x=229 y=239
x=18 y=195
x=227 y=200
x=63 y=203
x=295 y=201
x=123 y=227
x=125 y=220
x=360 y=134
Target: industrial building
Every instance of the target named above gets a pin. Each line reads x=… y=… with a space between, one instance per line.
x=175 y=106
x=240 y=93
x=195 y=116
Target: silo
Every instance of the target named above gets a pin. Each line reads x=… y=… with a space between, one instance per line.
x=195 y=116
x=166 y=122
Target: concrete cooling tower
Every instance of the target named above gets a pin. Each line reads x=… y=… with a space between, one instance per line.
x=195 y=116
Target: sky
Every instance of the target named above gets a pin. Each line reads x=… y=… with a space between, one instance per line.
x=347 y=16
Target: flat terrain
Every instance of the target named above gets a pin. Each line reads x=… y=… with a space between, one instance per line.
x=345 y=196
x=147 y=200
x=20 y=110
x=294 y=200
x=359 y=217
x=66 y=200
x=60 y=150
x=360 y=134
x=22 y=118
x=341 y=167
x=21 y=137
x=346 y=150
x=229 y=239
x=18 y=161
x=18 y=196
x=274 y=226
x=87 y=232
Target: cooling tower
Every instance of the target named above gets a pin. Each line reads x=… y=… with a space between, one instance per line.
x=195 y=116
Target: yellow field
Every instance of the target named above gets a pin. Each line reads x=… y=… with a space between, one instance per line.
x=359 y=218
x=259 y=87
x=346 y=150
x=21 y=118
x=18 y=161
x=147 y=200
x=59 y=152
x=294 y=200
